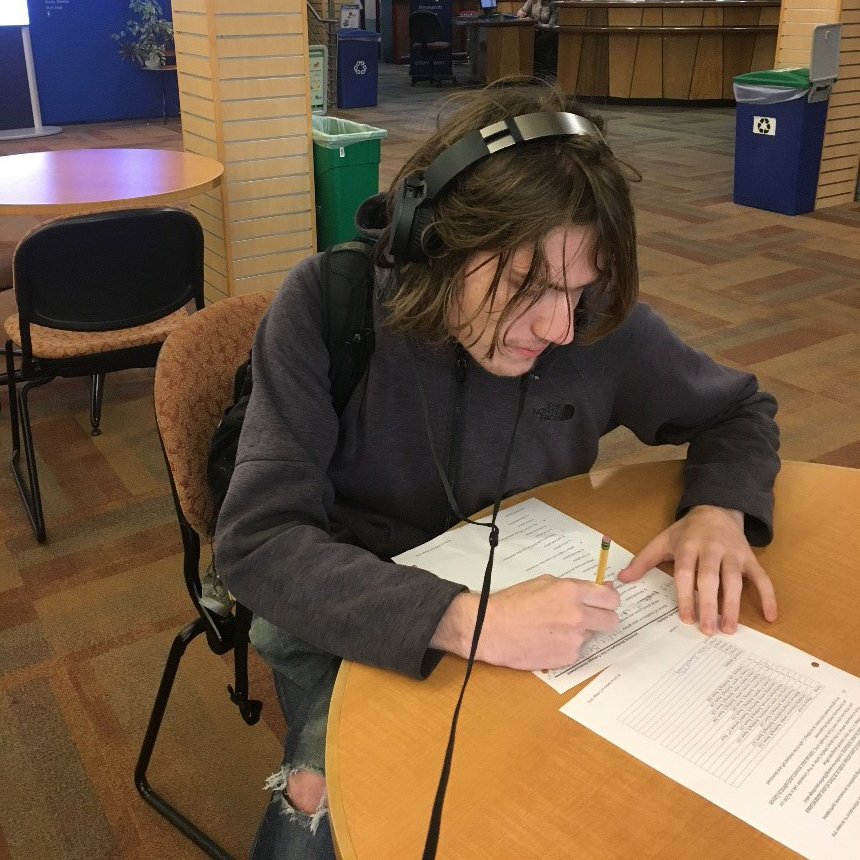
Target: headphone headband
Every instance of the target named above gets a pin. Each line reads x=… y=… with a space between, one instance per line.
x=477 y=145
x=413 y=208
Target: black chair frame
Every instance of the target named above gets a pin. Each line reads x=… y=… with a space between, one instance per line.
x=37 y=374
x=223 y=634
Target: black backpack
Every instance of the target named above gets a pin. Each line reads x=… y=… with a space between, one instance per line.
x=347 y=283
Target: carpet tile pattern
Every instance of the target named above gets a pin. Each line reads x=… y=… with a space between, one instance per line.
x=86 y=619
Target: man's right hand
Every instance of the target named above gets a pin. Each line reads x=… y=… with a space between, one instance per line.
x=538 y=624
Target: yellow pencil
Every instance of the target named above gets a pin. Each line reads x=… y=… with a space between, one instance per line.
x=604 y=556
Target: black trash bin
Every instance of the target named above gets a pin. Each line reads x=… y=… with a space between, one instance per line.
x=357 y=67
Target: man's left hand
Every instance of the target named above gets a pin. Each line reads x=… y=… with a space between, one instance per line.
x=711 y=553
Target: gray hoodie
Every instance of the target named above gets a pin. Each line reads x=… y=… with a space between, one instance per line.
x=316 y=506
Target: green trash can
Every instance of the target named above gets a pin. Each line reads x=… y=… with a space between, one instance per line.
x=346 y=172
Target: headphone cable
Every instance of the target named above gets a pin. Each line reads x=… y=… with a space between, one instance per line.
x=433 y=828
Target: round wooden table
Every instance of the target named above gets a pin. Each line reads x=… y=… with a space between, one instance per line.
x=527 y=781
x=69 y=181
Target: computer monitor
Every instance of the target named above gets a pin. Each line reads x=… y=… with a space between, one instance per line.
x=488 y=7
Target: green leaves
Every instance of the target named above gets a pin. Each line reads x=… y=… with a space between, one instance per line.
x=147 y=39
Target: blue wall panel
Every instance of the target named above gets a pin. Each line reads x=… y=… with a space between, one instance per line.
x=80 y=74
x=14 y=93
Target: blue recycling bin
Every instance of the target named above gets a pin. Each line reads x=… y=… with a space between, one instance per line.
x=778 y=140
x=357 y=67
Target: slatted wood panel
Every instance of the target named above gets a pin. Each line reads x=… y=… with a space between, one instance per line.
x=245 y=100
x=671 y=64
x=840 y=156
x=510 y=50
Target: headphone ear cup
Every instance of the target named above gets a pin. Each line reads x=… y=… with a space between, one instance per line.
x=411 y=215
x=423 y=239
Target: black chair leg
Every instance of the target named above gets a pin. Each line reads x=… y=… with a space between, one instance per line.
x=19 y=421
x=249 y=708
x=96 y=393
x=8 y=379
x=156 y=801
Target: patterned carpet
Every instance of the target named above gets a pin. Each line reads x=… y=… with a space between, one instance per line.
x=86 y=620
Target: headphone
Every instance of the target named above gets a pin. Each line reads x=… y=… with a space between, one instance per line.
x=413 y=208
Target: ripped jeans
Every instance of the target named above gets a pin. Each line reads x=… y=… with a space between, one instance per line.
x=304 y=678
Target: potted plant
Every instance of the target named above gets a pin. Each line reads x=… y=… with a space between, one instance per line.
x=147 y=40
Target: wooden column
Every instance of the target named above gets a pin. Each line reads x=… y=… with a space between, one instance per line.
x=840 y=157
x=245 y=99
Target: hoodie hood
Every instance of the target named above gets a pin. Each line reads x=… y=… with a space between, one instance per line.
x=371 y=217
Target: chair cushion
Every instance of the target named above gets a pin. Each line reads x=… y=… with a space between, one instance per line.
x=193 y=386
x=61 y=343
x=432 y=46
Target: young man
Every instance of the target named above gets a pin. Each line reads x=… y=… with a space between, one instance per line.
x=506 y=292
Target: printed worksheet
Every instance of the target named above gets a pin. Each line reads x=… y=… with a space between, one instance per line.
x=535 y=538
x=756 y=726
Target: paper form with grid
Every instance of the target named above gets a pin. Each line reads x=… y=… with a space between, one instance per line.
x=754 y=725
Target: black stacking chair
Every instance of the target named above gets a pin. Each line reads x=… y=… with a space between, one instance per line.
x=425 y=36
x=96 y=293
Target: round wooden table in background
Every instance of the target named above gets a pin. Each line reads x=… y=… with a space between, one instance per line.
x=69 y=181
x=528 y=781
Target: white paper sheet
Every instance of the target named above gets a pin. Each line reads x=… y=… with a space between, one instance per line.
x=536 y=539
x=758 y=727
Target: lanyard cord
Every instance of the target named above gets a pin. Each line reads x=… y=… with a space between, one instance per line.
x=436 y=815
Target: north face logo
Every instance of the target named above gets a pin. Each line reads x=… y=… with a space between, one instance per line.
x=554 y=412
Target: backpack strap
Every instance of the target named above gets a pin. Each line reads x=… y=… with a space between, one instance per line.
x=348 y=277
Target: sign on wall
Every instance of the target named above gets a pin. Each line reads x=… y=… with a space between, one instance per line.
x=318 y=56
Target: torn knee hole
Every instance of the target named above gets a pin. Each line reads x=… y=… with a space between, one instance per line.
x=305 y=790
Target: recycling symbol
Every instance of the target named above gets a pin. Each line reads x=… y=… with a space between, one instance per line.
x=360 y=67
x=763 y=125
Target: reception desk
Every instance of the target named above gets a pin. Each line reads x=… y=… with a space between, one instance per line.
x=685 y=50
x=499 y=48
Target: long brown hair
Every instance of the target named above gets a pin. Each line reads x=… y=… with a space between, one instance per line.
x=517 y=197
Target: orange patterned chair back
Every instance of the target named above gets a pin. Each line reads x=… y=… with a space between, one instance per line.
x=194 y=385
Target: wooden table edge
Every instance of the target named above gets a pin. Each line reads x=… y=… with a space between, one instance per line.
x=341 y=837
x=81 y=207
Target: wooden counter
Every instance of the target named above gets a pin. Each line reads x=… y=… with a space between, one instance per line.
x=676 y=49
x=499 y=48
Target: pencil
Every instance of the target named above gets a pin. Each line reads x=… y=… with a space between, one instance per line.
x=601 y=562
